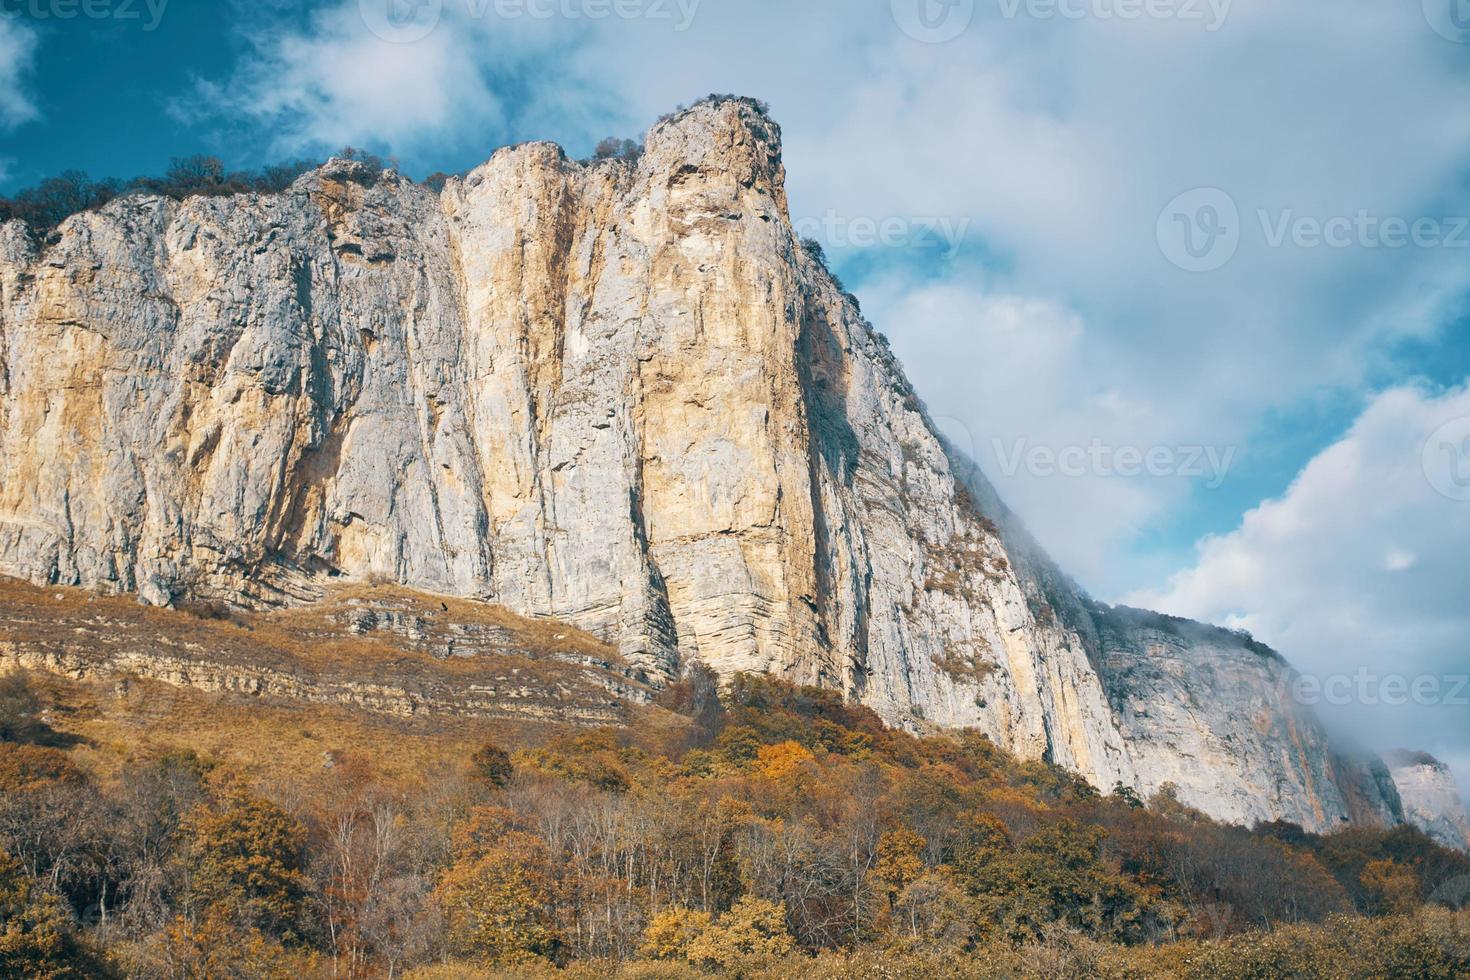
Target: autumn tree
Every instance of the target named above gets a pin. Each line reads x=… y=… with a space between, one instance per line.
x=216 y=945
x=696 y=695
x=54 y=821
x=753 y=928
x=365 y=879
x=37 y=939
x=1058 y=876
x=492 y=764
x=782 y=761
x=496 y=897
x=900 y=861
x=245 y=858
x=153 y=800
x=934 y=911
x=980 y=844
x=1393 y=887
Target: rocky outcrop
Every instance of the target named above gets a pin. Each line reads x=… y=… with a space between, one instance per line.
x=1431 y=799
x=622 y=395
x=1210 y=712
x=419 y=658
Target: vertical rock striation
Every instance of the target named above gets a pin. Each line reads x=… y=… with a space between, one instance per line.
x=622 y=395
x=1431 y=799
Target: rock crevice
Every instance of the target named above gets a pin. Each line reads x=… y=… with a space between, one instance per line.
x=619 y=394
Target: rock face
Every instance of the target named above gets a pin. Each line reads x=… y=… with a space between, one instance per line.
x=1211 y=710
x=621 y=395
x=1431 y=800
x=382 y=650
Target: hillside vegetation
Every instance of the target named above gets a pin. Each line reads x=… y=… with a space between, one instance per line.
x=762 y=831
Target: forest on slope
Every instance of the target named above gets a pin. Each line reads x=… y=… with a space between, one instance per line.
x=761 y=830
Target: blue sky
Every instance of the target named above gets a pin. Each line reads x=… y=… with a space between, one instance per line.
x=1037 y=167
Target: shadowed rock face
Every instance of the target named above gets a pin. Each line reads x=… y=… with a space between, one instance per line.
x=621 y=395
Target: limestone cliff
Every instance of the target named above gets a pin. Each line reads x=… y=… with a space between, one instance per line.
x=1431 y=800
x=618 y=394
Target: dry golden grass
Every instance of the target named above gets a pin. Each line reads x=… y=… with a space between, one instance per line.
x=307 y=635
x=113 y=727
x=113 y=718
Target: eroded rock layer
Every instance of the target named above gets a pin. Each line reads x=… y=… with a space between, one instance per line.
x=618 y=394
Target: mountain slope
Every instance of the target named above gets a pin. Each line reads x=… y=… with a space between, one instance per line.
x=620 y=395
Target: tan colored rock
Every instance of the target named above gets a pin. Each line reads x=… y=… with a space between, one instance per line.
x=622 y=395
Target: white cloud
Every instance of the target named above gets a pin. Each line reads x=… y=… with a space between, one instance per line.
x=17 y=55
x=1307 y=573
x=338 y=83
x=1007 y=378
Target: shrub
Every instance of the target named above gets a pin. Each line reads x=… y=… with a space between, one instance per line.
x=245 y=859
x=613 y=148
x=18 y=705
x=492 y=764
x=36 y=934
x=753 y=929
x=55 y=199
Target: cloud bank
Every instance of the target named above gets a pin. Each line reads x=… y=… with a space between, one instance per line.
x=1359 y=572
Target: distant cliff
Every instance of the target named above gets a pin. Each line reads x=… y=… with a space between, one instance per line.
x=1431 y=799
x=620 y=394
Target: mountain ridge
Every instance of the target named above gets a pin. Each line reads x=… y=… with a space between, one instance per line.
x=621 y=394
